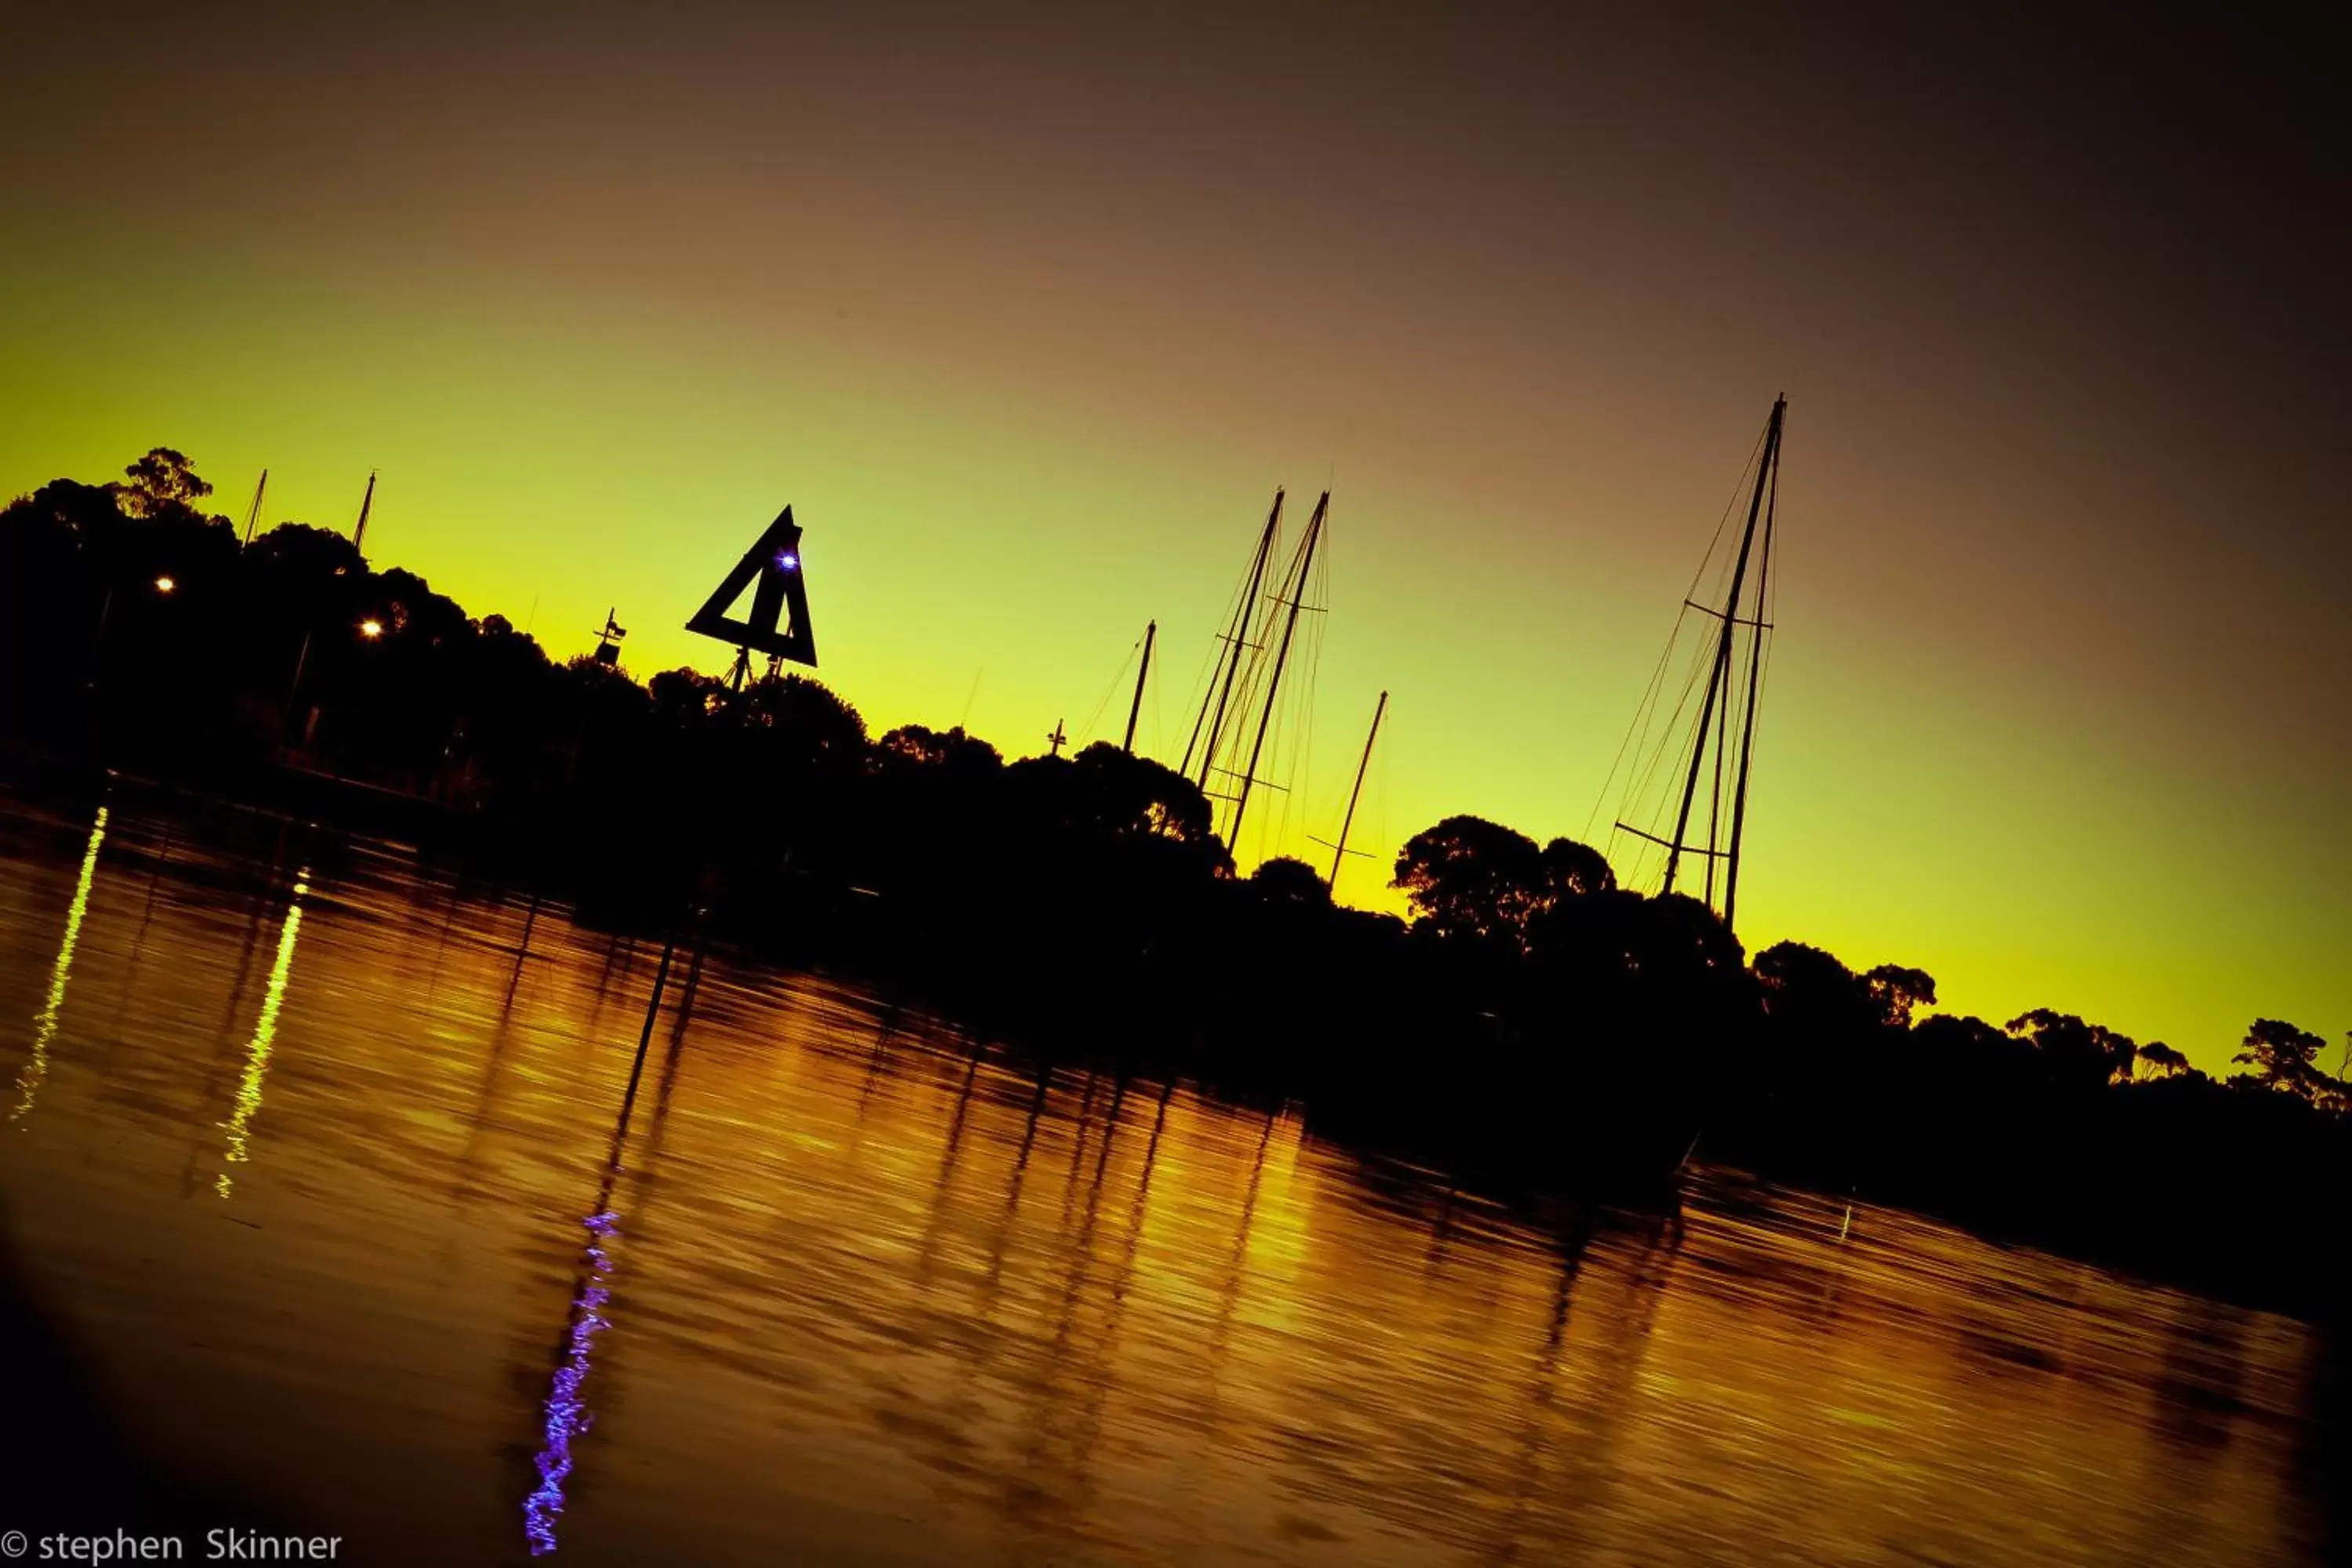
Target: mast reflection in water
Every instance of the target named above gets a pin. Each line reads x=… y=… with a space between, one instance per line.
x=566 y=1416
x=874 y=1311
x=265 y=1031
x=44 y=1023
x=566 y=1411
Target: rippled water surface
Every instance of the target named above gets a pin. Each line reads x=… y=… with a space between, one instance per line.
x=337 y=1184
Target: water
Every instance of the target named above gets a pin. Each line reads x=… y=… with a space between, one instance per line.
x=332 y=1189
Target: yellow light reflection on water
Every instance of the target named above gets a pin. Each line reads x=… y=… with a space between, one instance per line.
x=898 y=1294
x=264 y=1030
x=45 y=1021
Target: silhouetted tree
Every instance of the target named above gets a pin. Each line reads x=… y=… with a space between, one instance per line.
x=1285 y=880
x=1469 y=878
x=686 y=699
x=808 y=714
x=1534 y=990
x=82 y=511
x=2284 y=1059
x=1963 y=1046
x=161 y=483
x=1576 y=870
x=1824 y=1034
x=306 y=556
x=915 y=745
x=1898 y=989
x=1805 y=981
x=1133 y=797
x=2077 y=1053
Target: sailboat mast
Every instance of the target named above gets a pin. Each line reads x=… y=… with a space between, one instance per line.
x=1231 y=658
x=1755 y=674
x=359 y=531
x=1150 y=631
x=1282 y=656
x=1714 y=676
x=1714 y=792
x=1340 y=850
x=253 y=512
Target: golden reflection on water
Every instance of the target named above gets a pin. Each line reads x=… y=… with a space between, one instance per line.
x=45 y=1021
x=851 y=1285
x=265 y=1031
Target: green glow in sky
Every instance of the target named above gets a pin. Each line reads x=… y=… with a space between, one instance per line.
x=2040 y=720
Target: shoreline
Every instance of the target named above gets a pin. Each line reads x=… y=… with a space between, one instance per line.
x=1507 y=1165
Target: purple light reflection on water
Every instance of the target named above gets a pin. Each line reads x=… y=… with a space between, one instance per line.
x=567 y=1413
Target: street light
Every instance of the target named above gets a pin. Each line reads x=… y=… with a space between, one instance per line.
x=165 y=584
x=370 y=628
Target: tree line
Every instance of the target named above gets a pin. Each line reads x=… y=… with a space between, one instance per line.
x=1532 y=1023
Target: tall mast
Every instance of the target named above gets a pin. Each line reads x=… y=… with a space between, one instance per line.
x=1150 y=631
x=358 y=532
x=1340 y=850
x=1282 y=656
x=253 y=512
x=1721 y=664
x=1755 y=674
x=1229 y=658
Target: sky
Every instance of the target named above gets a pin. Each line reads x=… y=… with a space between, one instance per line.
x=1028 y=313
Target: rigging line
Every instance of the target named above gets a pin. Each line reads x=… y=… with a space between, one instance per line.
x=1748 y=755
x=1728 y=562
x=1297 y=577
x=1159 y=730
x=1715 y=797
x=1301 y=771
x=1729 y=507
x=1637 y=741
x=1649 y=697
x=1261 y=558
x=1303 y=702
x=1203 y=685
x=1756 y=662
x=1312 y=691
x=1278 y=827
x=1724 y=642
x=1109 y=691
x=1214 y=657
x=1233 y=619
x=1208 y=665
x=1671 y=727
x=1637 y=738
x=966 y=719
x=1657 y=675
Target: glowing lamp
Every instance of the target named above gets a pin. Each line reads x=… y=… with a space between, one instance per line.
x=370 y=628
x=165 y=584
x=789 y=561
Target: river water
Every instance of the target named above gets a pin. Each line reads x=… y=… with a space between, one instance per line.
x=329 y=1176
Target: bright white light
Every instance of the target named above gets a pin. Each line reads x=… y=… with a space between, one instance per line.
x=370 y=628
x=165 y=584
x=788 y=561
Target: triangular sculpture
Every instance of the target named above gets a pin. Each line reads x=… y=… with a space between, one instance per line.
x=782 y=593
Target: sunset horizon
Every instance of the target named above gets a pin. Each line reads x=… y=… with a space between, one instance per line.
x=1886 y=462
x=1023 y=407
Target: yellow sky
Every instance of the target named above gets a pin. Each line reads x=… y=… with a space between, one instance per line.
x=2054 y=710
